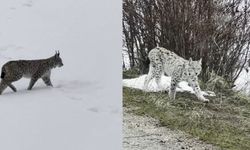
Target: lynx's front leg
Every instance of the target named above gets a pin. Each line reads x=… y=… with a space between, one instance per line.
x=195 y=85
x=32 y=82
x=175 y=79
x=35 y=77
x=46 y=79
x=172 y=89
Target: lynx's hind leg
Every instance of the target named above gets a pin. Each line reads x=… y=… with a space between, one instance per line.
x=149 y=77
x=7 y=80
x=3 y=86
x=11 y=86
x=158 y=75
x=155 y=71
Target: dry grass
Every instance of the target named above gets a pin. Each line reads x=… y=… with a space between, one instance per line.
x=224 y=122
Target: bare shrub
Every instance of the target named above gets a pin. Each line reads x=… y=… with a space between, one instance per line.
x=219 y=32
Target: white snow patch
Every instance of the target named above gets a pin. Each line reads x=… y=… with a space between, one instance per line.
x=165 y=82
x=242 y=83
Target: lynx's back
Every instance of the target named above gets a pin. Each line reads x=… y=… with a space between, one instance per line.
x=26 y=68
x=168 y=59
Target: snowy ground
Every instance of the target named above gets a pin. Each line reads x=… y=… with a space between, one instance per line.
x=83 y=110
x=165 y=82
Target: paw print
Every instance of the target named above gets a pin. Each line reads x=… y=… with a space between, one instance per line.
x=28 y=3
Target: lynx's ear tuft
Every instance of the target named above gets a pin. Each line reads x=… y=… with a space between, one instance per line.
x=57 y=53
x=190 y=60
x=200 y=60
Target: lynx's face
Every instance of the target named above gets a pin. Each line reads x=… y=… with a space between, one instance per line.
x=58 y=60
x=196 y=67
x=193 y=68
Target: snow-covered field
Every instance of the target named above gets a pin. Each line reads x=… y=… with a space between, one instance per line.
x=83 y=110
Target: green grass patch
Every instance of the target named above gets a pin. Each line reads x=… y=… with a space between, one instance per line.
x=224 y=121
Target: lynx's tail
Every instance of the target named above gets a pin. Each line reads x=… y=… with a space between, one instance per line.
x=147 y=61
x=3 y=73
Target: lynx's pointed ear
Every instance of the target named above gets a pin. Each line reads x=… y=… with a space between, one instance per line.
x=200 y=60
x=57 y=53
x=190 y=60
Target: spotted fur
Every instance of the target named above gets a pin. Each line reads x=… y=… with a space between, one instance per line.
x=33 y=69
x=163 y=61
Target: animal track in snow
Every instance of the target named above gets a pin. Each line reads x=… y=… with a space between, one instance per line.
x=76 y=90
x=94 y=109
x=28 y=3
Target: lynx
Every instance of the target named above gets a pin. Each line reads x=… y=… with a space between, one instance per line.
x=33 y=69
x=164 y=61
